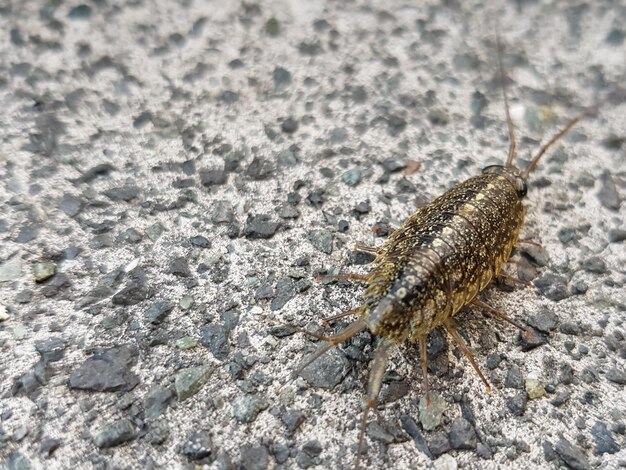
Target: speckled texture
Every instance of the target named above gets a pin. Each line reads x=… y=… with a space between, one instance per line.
x=282 y=133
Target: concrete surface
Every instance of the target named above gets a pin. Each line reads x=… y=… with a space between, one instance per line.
x=176 y=173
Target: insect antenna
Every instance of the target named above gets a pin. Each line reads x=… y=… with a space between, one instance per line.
x=511 y=127
x=379 y=365
x=509 y=121
x=533 y=163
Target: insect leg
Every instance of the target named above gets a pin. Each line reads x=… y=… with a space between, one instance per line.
x=379 y=365
x=498 y=314
x=368 y=249
x=348 y=332
x=342 y=277
x=424 y=363
x=529 y=242
x=328 y=320
x=450 y=327
x=506 y=277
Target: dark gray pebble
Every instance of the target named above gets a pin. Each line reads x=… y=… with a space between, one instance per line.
x=281 y=331
x=215 y=337
x=122 y=193
x=533 y=341
x=285 y=291
x=132 y=235
x=566 y=374
x=617 y=235
x=289 y=125
x=412 y=429
x=179 y=267
x=549 y=453
x=569 y=328
x=310 y=451
x=544 y=321
x=561 y=398
x=595 y=264
x=316 y=198
x=328 y=371
x=358 y=258
x=260 y=226
x=254 y=458
x=439 y=444
x=49 y=445
x=378 y=433
x=484 y=451
x=321 y=240
x=51 y=349
x=292 y=419
x=200 y=241
x=156 y=401
x=605 y=444
x=99 y=170
x=280 y=452
x=493 y=360
x=260 y=169
x=552 y=286
x=282 y=79
x=115 y=434
x=571 y=455
x=517 y=403
x=617 y=375
x=395 y=124
x=107 y=370
x=247 y=407
x=393 y=164
x=198 y=445
x=26 y=234
x=229 y=96
x=158 y=432
x=16 y=461
x=132 y=294
x=608 y=195
x=363 y=207
x=70 y=205
x=264 y=292
x=79 y=12
x=462 y=435
x=210 y=178
x=157 y=312
x=514 y=378
x=222 y=212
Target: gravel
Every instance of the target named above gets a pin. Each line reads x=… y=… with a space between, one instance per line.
x=175 y=176
x=108 y=370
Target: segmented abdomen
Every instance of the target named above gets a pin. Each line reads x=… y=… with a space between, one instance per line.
x=442 y=256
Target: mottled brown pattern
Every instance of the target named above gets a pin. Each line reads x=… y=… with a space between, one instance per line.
x=442 y=256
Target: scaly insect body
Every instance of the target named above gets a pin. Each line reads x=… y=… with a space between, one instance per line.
x=436 y=262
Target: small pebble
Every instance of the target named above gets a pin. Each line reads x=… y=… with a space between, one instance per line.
x=43 y=271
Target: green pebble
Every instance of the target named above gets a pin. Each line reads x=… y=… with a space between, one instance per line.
x=351 y=177
x=534 y=389
x=431 y=416
x=186 y=343
x=189 y=381
x=43 y=271
x=186 y=302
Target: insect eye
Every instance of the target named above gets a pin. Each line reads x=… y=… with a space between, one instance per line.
x=493 y=169
x=522 y=188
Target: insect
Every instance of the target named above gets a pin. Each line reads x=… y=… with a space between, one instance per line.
x=437 y=262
